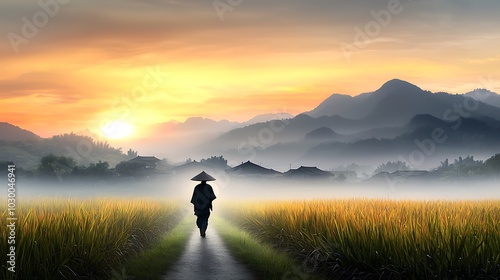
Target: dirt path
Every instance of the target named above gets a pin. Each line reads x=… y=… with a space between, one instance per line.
x=208 y=259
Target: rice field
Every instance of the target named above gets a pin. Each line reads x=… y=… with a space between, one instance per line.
x=380 y=239
x=82 y=239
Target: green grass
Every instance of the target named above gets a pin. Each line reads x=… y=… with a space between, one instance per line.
x=153 y=262
x=82 y=239
x=266 y=261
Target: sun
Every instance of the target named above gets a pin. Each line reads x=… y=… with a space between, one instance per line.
x=117 y=129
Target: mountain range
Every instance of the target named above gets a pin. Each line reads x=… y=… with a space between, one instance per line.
x=370 y=128
x=397 y=101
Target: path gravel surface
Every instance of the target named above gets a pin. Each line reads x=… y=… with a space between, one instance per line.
x=207 y=259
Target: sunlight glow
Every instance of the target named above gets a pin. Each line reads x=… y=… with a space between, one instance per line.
x=117 y=129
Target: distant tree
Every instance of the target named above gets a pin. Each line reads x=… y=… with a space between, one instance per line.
x=444 y=166
x=461 y=167
x=469 y=160
x=99 y=169
x=341 y=178
x=392 y=167
x=492 y=165
x=79 y=171
x=216 y=162
x=82 y=148
x=3 y=166
x=164 y=164
x=25 y=173
x=131 y=154
x=359 y=168
x=102 y=145
x=127 y=168
x=52 y=166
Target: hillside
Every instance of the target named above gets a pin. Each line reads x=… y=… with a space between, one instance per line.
x=10 y=132
x=83 y=149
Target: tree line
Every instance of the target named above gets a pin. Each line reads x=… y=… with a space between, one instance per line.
x=58 y=166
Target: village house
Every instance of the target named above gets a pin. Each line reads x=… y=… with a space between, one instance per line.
x=146 y=162
x=250 y=169
x=308 y=173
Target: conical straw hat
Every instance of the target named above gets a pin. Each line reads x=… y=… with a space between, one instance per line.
x=203 y=176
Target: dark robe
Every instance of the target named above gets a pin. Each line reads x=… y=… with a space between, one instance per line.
x=202 y=198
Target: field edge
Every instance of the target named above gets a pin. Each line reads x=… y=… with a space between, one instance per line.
x=152 y=263
x=268 y=263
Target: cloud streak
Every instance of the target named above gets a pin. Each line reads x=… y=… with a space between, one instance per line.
x=264 y=52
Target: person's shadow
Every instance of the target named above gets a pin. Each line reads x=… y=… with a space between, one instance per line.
x=206 y=264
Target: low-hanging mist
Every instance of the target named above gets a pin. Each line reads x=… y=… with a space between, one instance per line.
x=230 y=189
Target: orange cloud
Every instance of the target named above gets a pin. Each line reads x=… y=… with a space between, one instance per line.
x=83 y=68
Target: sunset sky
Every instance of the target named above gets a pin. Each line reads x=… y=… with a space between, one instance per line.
x=79 y=64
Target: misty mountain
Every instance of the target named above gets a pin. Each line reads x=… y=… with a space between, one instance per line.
x=191 y=125
x=427 y=141
x=176 y=140
x=415 y=139
x=344 y=105
x=10 y=132
x=280 y=131
x=266 y=118
x=485 y=96
x=179 y=140
x=321 y=134
x=361 y=106
x=397 y=101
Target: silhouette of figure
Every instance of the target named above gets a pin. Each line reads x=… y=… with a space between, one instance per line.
x=202 y=198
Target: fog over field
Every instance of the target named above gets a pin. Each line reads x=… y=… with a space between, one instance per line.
x=244 y=189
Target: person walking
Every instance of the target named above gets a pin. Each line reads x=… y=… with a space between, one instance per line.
x=202 y=198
